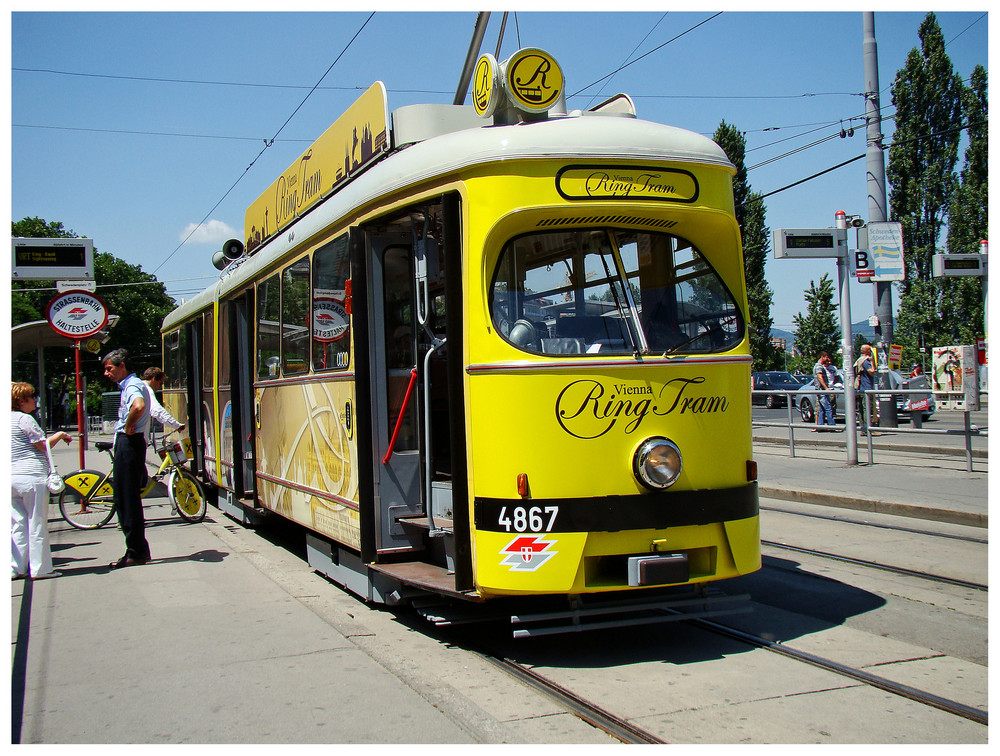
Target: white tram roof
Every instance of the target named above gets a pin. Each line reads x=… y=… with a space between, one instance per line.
x=574 y=137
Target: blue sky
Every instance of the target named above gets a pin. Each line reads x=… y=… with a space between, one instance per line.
x=131 y=127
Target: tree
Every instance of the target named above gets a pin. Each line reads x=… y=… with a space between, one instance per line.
x=751 y=217
x=139 y=300
x=968 y=214
x=818 y=331
x=927 y=95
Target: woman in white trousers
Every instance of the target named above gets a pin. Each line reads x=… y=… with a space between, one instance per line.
x=29 y=511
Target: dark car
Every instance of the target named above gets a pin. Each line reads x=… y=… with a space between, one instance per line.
x=772 y=380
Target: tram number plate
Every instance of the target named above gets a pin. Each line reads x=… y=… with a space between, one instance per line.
x=528 y=519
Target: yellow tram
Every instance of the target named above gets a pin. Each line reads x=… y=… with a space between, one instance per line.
x=486 y=353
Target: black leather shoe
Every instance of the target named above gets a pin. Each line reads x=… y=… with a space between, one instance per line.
x=126 y=561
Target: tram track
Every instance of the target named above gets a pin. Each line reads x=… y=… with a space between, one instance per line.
x=878 y=566
x=971 y=713
x=589 y=712
x=626 y=732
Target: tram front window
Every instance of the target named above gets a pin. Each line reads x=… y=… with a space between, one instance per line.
x=611 y=292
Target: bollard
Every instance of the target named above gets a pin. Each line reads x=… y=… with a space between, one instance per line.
x=916 y=418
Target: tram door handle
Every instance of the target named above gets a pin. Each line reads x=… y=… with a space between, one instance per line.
x=420 y=279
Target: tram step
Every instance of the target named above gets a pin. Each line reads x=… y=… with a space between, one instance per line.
x=422 y=522
x=440 y=542
x=430 y=577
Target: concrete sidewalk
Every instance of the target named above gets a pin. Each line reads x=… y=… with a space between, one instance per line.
x=925 y=484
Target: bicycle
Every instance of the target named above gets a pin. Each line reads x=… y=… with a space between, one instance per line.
x=87 y=501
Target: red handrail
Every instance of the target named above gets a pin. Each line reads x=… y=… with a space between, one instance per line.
x=399 y=420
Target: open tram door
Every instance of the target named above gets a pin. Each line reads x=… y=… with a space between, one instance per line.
x=237 y=456
x=407 y=305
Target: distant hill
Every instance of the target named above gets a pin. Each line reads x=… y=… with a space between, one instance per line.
x=861 y=327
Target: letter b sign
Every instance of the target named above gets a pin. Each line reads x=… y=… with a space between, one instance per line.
x=862 y=265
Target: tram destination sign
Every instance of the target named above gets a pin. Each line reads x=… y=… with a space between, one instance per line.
x=51 y=259
x=809 y=242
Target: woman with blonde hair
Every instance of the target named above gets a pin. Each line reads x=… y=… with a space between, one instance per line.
x=29 y=529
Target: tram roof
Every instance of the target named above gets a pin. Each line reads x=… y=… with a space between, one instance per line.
x=574 y=137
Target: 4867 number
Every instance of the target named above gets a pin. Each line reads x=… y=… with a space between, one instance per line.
x=528 y=519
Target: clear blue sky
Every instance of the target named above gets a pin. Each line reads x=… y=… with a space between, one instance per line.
x=130 y=127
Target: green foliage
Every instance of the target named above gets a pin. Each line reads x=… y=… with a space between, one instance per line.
x=931 y=105
x=140 y=301
x=751 y=216
x=818 y=330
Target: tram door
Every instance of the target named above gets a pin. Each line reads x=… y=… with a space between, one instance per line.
x=395 y=403
x=241 y=413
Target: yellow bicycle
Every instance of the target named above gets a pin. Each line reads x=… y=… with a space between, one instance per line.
x=87 y=501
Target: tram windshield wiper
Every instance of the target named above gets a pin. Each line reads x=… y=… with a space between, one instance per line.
x=691 y=340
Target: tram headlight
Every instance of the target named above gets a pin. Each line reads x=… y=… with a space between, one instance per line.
x=657 y=463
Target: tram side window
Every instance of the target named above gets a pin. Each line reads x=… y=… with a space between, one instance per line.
x=171 y=360
x=224 y=356
x=181 y=376
x=207 y=350
x=268 y=325
x=601 y=291
x=331 y=329
x=295 y=318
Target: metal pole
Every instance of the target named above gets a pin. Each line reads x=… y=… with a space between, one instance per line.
x=882 y=291
x=968 y=440
x=470 y=57
x=79 y=402
x=847 y=349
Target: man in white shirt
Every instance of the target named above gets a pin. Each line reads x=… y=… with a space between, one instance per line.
x=154 y=377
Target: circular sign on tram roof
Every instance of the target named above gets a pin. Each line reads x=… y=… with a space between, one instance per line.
x=77 y=314
x=486 y=85
x=534 y=80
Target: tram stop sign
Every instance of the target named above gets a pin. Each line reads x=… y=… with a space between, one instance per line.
x=77 y=314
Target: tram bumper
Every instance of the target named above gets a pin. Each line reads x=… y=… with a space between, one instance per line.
x=610 y=543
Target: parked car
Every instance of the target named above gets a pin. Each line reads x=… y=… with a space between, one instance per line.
x=776 y=380
x=807 y=402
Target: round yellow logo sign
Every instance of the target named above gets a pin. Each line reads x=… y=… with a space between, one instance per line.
x=534 y=80
x=486 y=85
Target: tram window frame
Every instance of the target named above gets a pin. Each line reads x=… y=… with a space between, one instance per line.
x=571 y=316
x=181 y=379
x=225 y=313
x=171 y=361
x=296 y=296
x=269 y=312
x=207 y=350
x=330 y=273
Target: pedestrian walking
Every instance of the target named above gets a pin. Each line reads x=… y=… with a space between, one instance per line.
x=29 y=511
x=864 y=371
x=129 y=457
x=826 y=374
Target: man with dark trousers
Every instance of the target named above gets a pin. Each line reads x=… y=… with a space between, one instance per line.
x=130 y=457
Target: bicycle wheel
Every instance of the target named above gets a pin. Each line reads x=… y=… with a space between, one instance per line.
x=187 y=495
x=87 y=502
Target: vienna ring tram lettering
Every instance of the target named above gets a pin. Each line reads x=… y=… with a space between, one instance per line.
x=585 y=409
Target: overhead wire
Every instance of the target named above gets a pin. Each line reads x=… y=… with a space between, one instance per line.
x=267 y=143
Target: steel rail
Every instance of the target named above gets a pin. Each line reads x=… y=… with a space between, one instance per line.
x=877 y=566
x=914 y=694
x=589 y=712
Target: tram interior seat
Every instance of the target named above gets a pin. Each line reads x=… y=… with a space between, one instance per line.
x=590 y=328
